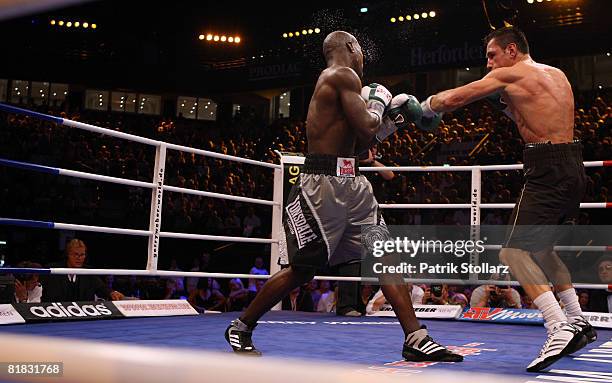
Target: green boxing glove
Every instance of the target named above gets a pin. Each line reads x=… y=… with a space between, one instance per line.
x=497 y=102
x=431 y=119
x=402 y=110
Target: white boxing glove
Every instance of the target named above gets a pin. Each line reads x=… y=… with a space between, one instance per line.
x=377 y=98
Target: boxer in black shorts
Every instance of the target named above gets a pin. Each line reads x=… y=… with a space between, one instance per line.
x=553 y=188
x=539 y=99
x=330 y=203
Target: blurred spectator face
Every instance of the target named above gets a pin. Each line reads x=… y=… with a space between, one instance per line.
x=75 y=256
x=459 y=299
x=583 y=299
x=605 y=271
x=324 y=286
x=313 y=285
x=235 y=284
x=259 y=263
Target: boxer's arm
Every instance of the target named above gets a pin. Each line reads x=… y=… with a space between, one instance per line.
x=363 y=122
x=451 y=99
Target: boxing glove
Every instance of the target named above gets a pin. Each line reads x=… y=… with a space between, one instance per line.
x=377 y=98
x=497 y=102
x=430 y=119
x=402 y=110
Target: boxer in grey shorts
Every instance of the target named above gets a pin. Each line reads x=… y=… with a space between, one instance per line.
x=325 y=211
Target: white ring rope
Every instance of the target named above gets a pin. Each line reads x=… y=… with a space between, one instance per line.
x=275 y=204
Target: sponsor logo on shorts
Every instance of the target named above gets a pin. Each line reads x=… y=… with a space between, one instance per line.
x=298 y=224
x=57 y=310
x=345 y=167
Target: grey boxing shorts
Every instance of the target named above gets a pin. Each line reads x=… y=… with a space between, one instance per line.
x=324 y=213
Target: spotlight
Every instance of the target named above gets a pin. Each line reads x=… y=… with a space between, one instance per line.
x=290 y=34
x=94 y=26
x=237 y=39
x=317 y=30
x=223 y=38
x=310 y=31
x=408 y=17
x=467 y=68
x=363 y=10
x=209 y=37
x=285 y=35
x=85 y=25
x=608 y=54
x=76 y=24
x=393 y=19
x=60 y=23
x=230 y=39
x=530 y=1
x=539 y=1
x=424 y=15
x=416 y=16
x=69 y=24
x=304 y=31
x=216 y=38
x=201 y=37
x=297 y=33
x=432 y=14
x=401 y=18
x=52 y=22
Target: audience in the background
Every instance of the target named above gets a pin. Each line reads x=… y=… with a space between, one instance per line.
x=74 y=287
x=238 y=296
x=205 y=298
x=494 y=141
x=27 y=286
x=298 y=300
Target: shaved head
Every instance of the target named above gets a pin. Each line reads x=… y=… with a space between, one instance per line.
x=337 y=40
x=342 y=48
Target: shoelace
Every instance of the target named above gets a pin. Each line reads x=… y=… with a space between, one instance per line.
x=545 y=347
x=550 y=337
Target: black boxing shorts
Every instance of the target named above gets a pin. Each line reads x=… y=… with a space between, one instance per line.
x=551 y=195
x=324 y=213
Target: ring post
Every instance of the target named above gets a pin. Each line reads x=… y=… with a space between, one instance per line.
x=277 y=213
x=475 y=197
x=156 y=207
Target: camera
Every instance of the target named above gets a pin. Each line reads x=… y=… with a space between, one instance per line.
x=436 y=290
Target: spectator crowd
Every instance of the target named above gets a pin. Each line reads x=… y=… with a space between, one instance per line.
x=474 y=135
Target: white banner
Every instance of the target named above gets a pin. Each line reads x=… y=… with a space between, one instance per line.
x=155 y=308
x=423 y=311
x=601 y=320
x=8 y=315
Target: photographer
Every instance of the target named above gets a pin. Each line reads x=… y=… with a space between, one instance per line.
x=27 y=287
x=436 y=295
x=495 y=296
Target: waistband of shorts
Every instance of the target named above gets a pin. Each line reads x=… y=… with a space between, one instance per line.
x=538 y=152
x=328 y=164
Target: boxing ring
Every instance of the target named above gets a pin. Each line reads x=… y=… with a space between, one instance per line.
x=319 y=345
